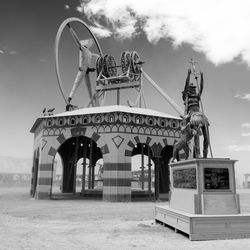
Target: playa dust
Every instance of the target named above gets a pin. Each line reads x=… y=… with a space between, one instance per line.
x=26 y=223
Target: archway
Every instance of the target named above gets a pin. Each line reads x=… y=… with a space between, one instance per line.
x=142 y=170
x=57 y=174
x=164 y=174
x=79 y=156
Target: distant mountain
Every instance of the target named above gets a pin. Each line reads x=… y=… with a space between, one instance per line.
x=15 y=165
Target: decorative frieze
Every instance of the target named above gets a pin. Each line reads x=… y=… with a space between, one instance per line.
x=114 y=122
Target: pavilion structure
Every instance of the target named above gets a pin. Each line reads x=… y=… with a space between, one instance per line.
x=114 y=133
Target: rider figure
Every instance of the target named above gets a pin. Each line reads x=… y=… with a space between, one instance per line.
x=85 y=56
x=84 y=62
x=190 y=96
x=194 y=115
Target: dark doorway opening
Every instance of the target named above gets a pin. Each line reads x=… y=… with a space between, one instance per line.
x=164 y=172
x=79 y=174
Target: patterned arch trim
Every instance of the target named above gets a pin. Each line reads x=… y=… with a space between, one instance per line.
x=95 y=137
x=105 y=149
x=156 y=147
x=165 y=141
x=76 y=132
x=61 y=139
x=52 y=152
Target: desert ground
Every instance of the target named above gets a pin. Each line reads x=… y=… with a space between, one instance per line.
x=26 y=223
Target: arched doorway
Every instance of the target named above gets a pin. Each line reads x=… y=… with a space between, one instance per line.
x=79 y=156
x=142 y=170
x=57 y=174
x=164 y=175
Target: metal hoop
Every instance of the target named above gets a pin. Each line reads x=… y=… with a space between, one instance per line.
x=58 y=37
x=99 y=65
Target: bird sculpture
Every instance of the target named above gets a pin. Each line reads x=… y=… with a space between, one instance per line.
x=50 y=111
x=44 y=111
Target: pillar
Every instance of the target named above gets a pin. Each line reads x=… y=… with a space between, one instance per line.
x=142 y=167
x=45 y=173
x=84 y=165
x=93 y=176
x=90 y=164
x=117 y=176
x=157 y=177
x=34 y=173
x=74 y=165
x=149 y=172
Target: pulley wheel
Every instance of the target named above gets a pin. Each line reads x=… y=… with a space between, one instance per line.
x=125 y=61
x=135 y=59
x=135 y=65
x=104 y=66
x=111 y=66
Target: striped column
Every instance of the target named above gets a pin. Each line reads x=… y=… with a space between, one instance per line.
x=45 y=174
x=117 y=181
x=44 y=185
x=33 y=185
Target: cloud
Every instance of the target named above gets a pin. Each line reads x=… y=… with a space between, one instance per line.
x=6 y=51
x=245 y=96
x=239 y=148
x=245 y=134
x=79 y=9
x=219 y=29
x=100 y=32
x=245 y=125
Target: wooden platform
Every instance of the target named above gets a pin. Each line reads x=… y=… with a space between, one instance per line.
x=205 y=227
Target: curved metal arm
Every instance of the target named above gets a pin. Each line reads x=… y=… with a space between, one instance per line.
x=173 y=104
x=75 y=37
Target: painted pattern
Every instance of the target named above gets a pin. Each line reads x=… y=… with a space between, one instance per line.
x=114 y=123
x=118 y=140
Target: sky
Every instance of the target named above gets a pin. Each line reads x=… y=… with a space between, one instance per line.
x=166 y=34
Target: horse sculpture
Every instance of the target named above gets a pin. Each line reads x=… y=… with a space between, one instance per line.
x=187 y=133
x=200 y=122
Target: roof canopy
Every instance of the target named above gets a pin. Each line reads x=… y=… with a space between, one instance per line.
x=106 y=109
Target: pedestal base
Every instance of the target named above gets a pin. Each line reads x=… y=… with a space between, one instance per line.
x=205 y=227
